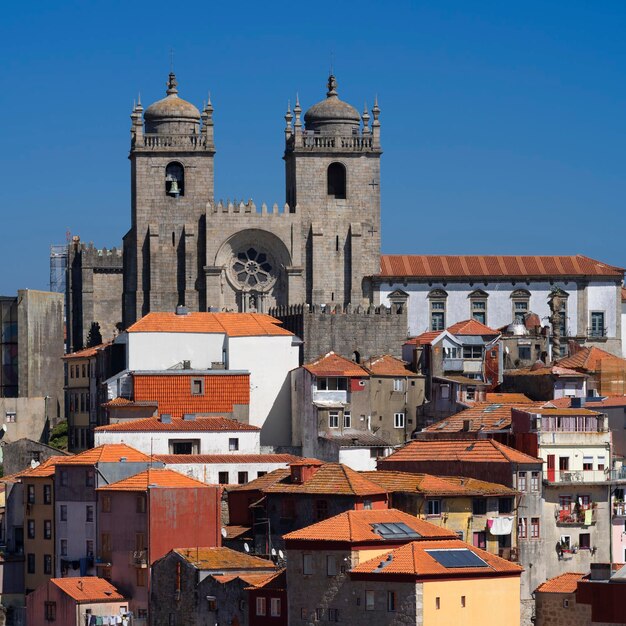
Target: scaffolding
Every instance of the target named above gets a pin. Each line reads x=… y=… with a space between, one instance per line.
x=58 y=267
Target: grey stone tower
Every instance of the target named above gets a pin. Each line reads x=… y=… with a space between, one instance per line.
x=333 y=183
x=171 y=184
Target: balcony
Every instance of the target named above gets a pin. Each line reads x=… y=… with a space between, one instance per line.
x=618 y=474
x=336 y=396
x=619 y=509
x=139 y=558
x=577 y=516
x=577 y=476
x=453 y=365
x=597 y=334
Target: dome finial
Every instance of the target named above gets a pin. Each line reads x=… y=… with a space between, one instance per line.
x=332 y=86
x=171 y=85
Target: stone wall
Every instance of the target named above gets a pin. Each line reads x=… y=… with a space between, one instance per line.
x=551 y=610
x=17 y=455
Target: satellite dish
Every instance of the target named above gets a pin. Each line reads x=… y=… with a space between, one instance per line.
x=273 y=551
x=246 y=547
x=280 y=554
x=34 y=464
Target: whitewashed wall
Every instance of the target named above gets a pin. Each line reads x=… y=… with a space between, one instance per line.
x=359 y=459
x=209 y=472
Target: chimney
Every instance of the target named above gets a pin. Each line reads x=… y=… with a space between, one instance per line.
x=301 y=471
x=182 y=310
x=467 y=426
x=166 y=418
x=186 y=365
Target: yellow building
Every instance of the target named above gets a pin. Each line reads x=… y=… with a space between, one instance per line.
x=466 y=506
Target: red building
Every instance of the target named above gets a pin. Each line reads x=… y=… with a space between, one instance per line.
x=267 y=601
x=142 y=518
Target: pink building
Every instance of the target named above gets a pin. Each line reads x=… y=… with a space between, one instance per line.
x=142 y=518
x=74 y=601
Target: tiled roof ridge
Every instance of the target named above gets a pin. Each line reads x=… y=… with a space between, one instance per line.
x=351 y=475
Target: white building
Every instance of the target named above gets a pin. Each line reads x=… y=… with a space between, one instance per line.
x=244 y=342
x=496 y=290
x=164 y=435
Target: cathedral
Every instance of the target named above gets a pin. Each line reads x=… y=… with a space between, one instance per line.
x=185 y=247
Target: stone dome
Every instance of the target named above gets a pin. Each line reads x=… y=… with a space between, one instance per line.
x=171 y=114
x=332 y=114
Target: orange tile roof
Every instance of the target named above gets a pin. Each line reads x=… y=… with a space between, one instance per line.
x=86 y=352
x=263 y=482
x=249 y=578
x=425 y=339
x=356 y=526
x=606 y=402
x=507 y=398
x=482 y=266
x=587 y=359
x=88 y=589
x=156 y=478
x=233 y=531
x=468 y=450
x=231 y=324
x=276 y=581
x=559 y=403
x=332 y=364
x=428 y=485
x=223 y=559
x=125 y=402
x=565 y=583
x=173 y=392
x=552 y=370
x=106 y=453
x=387 y=365
x=414 y=558
x=330 y=479
x=471 y=327
x=154 y=424
x=483 y=416
x=45 y=469
x=173 y=459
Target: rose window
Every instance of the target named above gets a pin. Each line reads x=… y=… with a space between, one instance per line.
x=253 y=269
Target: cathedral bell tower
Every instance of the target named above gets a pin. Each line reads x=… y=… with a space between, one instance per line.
x=171 y=158
x=333 y=182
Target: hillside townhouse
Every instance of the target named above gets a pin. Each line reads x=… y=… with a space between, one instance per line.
x=604 y=368
x=141 y=518
x=388 y=567
x=544 y=383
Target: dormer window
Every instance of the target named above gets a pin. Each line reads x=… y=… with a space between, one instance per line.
x=336 y=179
x=175 y=180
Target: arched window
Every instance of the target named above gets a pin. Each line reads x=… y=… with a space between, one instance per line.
x=336 y=179
x=175 y=180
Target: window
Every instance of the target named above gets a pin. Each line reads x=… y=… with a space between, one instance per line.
x=587 y=463
x=522 y=532
x=288 y=508
x=521 y=481
x=190 y=446
x=89 y=513
x=106 y=504
x=333 y=419
x=534 y=481
x=242 y=478
x=211 y=603
x=333 y=615
x=31 y=528
x=601 y=463
x=30 y=494
x=347 y=419
x=30 y=563
x=47 y=494
x=479 y=506
x=63 y=512
x=260 y=606
x=307 y=564
x=597 y=324
x=10 y=417
x=433 y=507
x=51 y=611
x=336 y=181
x=140 y=503
x=505 y=505
x=90 y=478
x=472 y=352
x=398 y=384
x=521 y=305
x=260 y=473
x=331 y=565
x=584 y=541
x=332 y=384
x=479 y=540
x=523 y=353
x=105 y=545
x=391 y=601
x=47 y=564
x=319 y=614
x=463 y=601
x=47 y=529
x=275 y=607
x=563 y=463
x=174 y=180
x=321 y=510
x=140 y=542
x=197 y=386
x=398 y=420
x=63 y=547
x=565 y=502
x=141 y=577
x=367 y=505
x=370 y=600
x=437 y=602
x=534 y=528
x=233 y=444
x=222 y=478
x=438 y=315
x=478 y=307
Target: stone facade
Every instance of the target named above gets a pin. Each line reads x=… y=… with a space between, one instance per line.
x=560 y=609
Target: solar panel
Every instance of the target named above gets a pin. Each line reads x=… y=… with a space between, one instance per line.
x=395 y=530
x=457 y=558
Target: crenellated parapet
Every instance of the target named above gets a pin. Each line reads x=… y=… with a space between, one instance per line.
x=98 y=259
x=249 y=207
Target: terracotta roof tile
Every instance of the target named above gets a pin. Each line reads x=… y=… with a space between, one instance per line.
x=223 y=559
x=387 y=365
x=231 y=324
x=87 y=352
x=425 y=339
x=233 y=531
x=471 y=327
x=125 y=402
x=88 y=589
x=44 y=469
x=233 y=457
x=587 y=359
x=474 y=450
x=428 y=485
x=250 y=578
x=353 y=438
x=605 y=403
x=154 y=424
x=552 y=370
x=417 y=558
x=507 y=398
x=332 y=364
x=263 y=482
x=475 y=266
x=356 y=527
x=106 y=453
x=565 y=583
x=156 y=478
x=276 y=581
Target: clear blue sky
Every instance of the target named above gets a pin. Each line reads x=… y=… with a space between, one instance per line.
x=503 y=124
